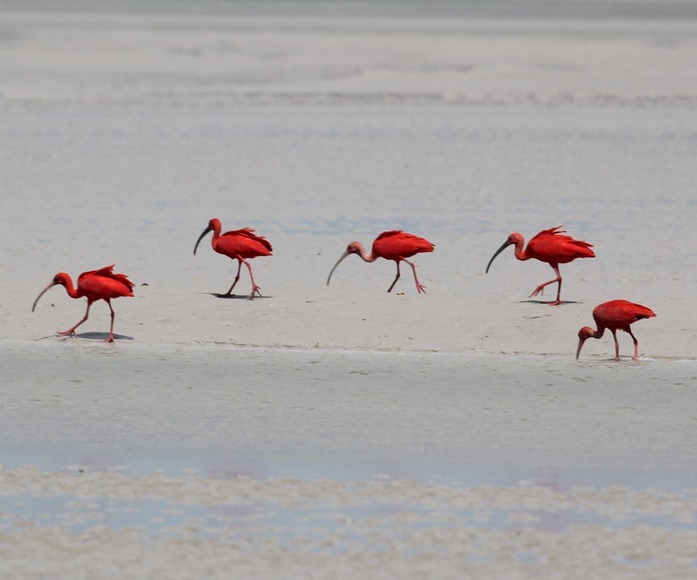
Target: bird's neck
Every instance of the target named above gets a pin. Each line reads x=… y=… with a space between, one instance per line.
x=71 y=290
x=521 y=253
x=599 y=333
x=365 y=256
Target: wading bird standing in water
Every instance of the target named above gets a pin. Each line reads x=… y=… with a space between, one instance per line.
x=550 y=246
x=614 y=315
x=394 y=245
x=239 y=245
x=101 y=284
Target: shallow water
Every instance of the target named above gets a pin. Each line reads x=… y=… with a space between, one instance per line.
x=349 y=414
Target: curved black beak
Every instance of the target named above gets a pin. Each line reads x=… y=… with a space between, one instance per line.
x=501 y=249
x=51 y=285
x=208 y=229
x=335 y=265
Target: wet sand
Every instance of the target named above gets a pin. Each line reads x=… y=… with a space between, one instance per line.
x=342 y=431
x=288 y=463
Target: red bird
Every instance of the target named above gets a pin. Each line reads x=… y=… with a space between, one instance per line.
x=394 y=245
x=549 y=246
x=239 y=245
x=614 y=315
x=102 y=284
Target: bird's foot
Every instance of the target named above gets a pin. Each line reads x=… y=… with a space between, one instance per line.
x=539 y=290
x=421 y=288
x=70 y=332
x=556 y=303
x=255 y=290
x=109 y=338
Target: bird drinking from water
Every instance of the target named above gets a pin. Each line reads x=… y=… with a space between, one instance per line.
x=614 y=315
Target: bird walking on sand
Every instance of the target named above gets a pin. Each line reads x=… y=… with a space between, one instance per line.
x=550 y=246
x=615 y=315
x=103 y=284
x=393 y=245
x=240 y=245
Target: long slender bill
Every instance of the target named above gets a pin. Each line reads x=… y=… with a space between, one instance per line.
x=51 y=285
x=501 y=249
x=580 y=345
x=335 y=265
x=208 y=229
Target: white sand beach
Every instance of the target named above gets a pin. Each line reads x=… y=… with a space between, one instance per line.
x=341 y=431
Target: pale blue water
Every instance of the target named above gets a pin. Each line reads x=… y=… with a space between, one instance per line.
x=471 y=419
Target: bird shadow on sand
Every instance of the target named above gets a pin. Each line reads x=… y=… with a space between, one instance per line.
x=89 y=336
x=236 y=296
x=549 y=302
x=102 y=336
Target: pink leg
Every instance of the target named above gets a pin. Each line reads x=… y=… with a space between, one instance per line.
x=395 y=278
x=419 y=287
x=72 y=330
x=636 y=344
x=617 y=345
x=255 y=288
x=111 y=328
x=537 y=290
x=237 y=277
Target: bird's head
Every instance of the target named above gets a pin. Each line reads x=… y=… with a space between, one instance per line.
x=352 y=248
x=584 y=334
x=61 y=279
x=213 y=226
x=513 y=239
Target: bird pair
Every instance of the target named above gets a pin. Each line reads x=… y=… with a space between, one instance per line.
x=555 y=248
x=105 y=284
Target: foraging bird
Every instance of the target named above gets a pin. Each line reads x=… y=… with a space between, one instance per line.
x=615 y=315
x=549 y=246
x=102 y=284
x=394 y=245
x=239 y=245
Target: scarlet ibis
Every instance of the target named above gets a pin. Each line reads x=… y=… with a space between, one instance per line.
x=615 y=315
x=393 y=245
x=239 y=245
x=103 y=284
x=550 y=246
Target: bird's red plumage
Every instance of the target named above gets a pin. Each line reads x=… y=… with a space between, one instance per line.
x=243 y=244
x=619 y=314
x=554 y=247
x=104 y=283
x=396 y=244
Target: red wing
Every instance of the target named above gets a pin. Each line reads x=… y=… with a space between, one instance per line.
x=107 y=272
x=550 y=232
x=390 y=234
x=623 y=312
x=555 y=246
x=248 y=233
x=104 y=283
x=398 y=244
